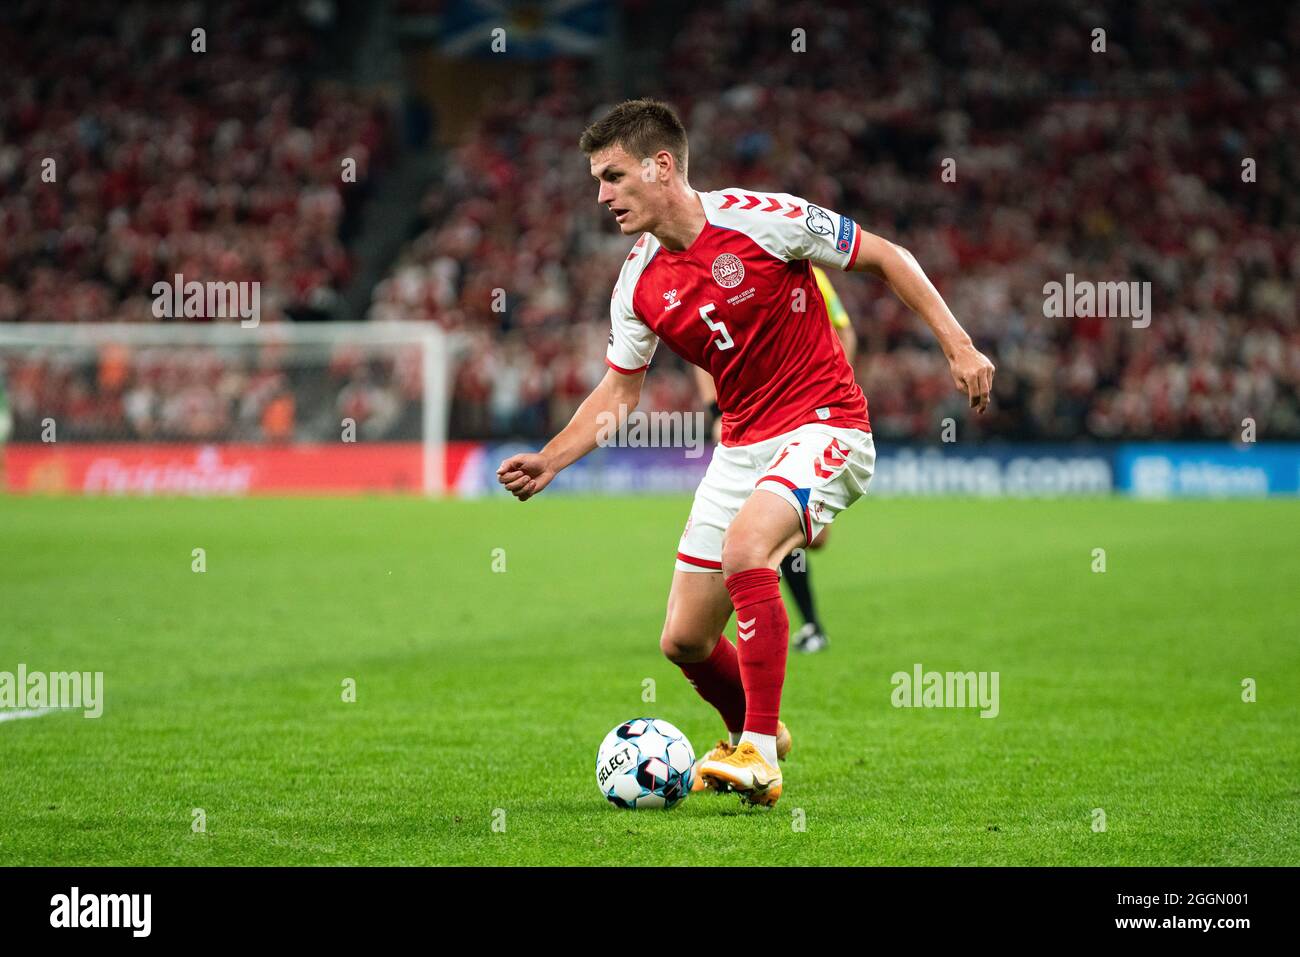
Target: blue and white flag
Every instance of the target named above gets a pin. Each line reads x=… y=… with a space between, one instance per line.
x=532 y=31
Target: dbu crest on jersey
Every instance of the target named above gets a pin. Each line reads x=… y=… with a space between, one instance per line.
x=728 y=271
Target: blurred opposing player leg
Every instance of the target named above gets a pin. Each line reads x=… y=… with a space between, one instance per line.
x=796 y=575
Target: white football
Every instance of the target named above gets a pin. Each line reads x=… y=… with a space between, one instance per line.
x=645 y=763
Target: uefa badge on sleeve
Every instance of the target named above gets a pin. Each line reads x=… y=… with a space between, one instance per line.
x=844 y=242
x=817 y=221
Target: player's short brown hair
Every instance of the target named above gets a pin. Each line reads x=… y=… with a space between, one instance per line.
x=642 y=127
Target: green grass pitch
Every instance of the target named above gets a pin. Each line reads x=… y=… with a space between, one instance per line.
x=482 y=695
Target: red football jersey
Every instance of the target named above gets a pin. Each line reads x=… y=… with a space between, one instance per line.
x=741 y=302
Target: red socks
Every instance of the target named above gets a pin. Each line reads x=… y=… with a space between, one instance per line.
x=763 y=633
x=745 y=684
x=717 y=679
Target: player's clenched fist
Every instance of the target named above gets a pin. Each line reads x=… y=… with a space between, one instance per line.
x=525 y=475
x=972 y=373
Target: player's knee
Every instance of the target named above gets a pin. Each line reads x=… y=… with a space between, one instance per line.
x=681 y=646
x=742 y=551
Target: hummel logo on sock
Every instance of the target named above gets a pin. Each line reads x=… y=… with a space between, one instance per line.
x=741 y=627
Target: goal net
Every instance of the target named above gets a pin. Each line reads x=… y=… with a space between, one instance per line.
x=219 y=408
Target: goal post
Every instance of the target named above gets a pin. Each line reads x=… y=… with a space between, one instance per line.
x=206 y=407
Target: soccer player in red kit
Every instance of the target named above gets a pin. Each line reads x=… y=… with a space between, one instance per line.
x=725 y=279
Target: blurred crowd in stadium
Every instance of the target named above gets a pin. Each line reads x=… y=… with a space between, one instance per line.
x=1123 y=165
x=165 y=161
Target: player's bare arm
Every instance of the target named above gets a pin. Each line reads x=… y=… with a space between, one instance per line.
x=526 y=474
x=972 y=372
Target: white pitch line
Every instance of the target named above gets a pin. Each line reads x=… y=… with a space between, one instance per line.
x=24 y=713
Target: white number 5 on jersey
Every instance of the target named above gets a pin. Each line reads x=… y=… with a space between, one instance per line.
x=726 y=342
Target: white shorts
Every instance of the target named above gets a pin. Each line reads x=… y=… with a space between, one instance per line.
x=820 y=470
